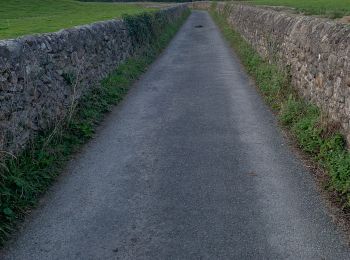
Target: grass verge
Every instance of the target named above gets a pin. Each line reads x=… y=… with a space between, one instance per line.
x=317 y=137
x=25 y=178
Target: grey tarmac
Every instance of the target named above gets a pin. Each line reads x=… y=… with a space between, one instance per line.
x=191 y=165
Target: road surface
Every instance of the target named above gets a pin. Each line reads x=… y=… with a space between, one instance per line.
x=190 y=166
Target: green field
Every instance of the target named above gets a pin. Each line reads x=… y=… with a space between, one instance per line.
x=329 y=8
x=22 y=17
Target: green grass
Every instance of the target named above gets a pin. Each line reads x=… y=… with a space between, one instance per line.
x=317 y=137
x=25 y=178
x=22 y=17
x=329 y=8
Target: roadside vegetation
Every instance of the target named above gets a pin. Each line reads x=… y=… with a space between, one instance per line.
x=317 y=137
x=328 y=8
x=22 y=17
x=25 y=178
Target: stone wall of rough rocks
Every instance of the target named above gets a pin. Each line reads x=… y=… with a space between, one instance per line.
x=316 y=52
x=42 y=76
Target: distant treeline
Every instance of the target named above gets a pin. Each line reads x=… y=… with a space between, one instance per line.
x=179 y=1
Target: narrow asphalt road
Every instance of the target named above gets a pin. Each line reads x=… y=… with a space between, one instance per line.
x=190 y=166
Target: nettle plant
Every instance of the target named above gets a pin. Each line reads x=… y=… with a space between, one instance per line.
x=144 y=28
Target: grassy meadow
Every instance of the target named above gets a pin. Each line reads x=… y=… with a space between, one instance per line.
x=329 y=8
x=22 y=17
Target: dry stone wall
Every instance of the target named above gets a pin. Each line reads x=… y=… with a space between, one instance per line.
x=316 y=52
x=42 y=76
